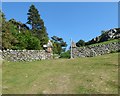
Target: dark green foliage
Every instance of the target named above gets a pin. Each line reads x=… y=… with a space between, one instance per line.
x=1 y=19
x=19 y=24
x=33 y=17
x=59 y=40
x=65 y=54
x=56 y=39
x=59 y=45
x=37 y=25
x=90 y=42
x=80 y=43
x=103 y=37
x=57 y=49
x=7 y=37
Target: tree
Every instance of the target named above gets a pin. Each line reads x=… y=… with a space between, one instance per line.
x=2 y=19
x=80 y=43
x=59 y=45
x=12 y=39
x=1 y=15
x=5 y=31
x=7 y=36
x=37 y=25
x=33 y=17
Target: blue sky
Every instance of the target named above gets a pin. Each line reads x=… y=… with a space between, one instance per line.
x=83 y=20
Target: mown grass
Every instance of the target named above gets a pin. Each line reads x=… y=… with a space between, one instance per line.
x=95 y=75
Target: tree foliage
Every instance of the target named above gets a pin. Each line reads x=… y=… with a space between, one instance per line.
x=18 y=36
x=59 y=45
x=37 y=25
x=12 y=39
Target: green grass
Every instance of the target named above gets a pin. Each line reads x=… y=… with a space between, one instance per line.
x=106 y=42
x=95 y=75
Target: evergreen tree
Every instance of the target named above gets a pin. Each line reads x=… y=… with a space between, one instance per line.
x=37 y=25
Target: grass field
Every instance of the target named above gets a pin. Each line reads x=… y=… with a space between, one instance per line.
x=93 y=75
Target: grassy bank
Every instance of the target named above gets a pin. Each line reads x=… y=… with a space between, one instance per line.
x=106 y=42
x=81 y=75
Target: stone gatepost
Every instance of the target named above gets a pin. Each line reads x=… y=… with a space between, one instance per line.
x=48 y=48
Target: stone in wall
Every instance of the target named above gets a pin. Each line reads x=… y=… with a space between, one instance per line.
x=25 y=55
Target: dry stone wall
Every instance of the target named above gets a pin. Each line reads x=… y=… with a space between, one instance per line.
x=91 y=51
x=32 y=55
x=25 y=55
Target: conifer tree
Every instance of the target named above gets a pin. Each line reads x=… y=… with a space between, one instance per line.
x=37 y=25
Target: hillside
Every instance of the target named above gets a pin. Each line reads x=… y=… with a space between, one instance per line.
x=106 y=36
x=71 y=76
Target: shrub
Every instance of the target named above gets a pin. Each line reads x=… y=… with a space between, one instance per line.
x=33 y=43
x=65 y=54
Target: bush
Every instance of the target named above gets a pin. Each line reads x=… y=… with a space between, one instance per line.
x=33 y=43
x=65 y=54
